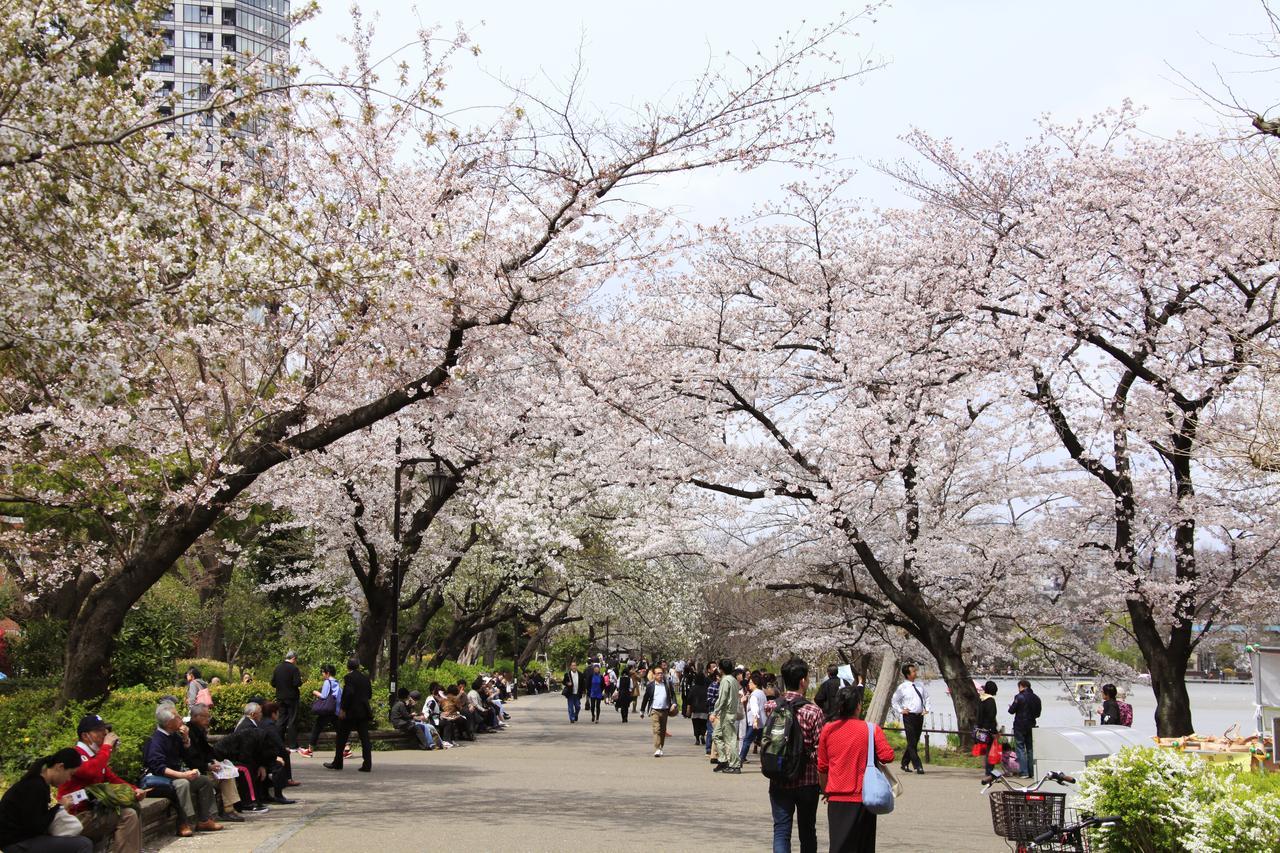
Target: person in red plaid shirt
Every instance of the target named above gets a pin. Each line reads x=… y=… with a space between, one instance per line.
x=798 y=797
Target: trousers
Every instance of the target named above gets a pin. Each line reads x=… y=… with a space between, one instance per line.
x=345 y=728
x=659 y=725
x=193 y=797
x=51 y=844
x=725 y=736
x=801 y=806
x=125 y=828
x=912 y=725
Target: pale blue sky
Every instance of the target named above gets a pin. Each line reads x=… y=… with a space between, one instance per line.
x=980 y=71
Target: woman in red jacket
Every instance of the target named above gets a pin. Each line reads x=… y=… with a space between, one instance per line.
x=842 y=761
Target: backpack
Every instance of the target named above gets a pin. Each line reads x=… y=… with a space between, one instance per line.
x=782 y=751
x=1126 y=713
x=204 y=696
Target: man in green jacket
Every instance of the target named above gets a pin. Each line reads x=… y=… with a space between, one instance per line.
x=724 y=716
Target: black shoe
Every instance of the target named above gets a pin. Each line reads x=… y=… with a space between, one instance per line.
x=920 y=771
x=721 y=766
x=365 y=768
x=731 y=770
x=281 y=801
x=231 y=817
x=332 y=765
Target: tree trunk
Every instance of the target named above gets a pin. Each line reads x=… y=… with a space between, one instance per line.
x=886 y=683
x=91 y=640
x=470 y=651
x=427 y=609
x=1167 y=664
x=964 y=696
x=373 y=627
x=211 y=585
x=489 y=646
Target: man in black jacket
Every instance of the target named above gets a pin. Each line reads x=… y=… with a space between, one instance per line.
x=354 y=713
x=575 y=684
x=287 y=680
x=828 y=689
x=1025 y=710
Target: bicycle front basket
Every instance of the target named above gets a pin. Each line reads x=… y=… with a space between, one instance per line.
x=1020 y=816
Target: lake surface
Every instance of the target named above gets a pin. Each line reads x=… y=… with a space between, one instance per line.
x=1214 y=707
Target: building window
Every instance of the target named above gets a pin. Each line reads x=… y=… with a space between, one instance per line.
x=228 y=17
x=196 y=65
x=228 y=42
x=197 y=14
x=166 y=36
x=164 y=65
x=196 y=91
x=197 y=40
x=165 y=14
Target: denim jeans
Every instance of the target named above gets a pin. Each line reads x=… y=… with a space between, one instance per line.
x=1026 y=756
x=575 y=705
x=752 y=735
x=430 y=735
x=801 y=802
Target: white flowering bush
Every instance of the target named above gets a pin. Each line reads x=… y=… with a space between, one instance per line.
x=1169 y=802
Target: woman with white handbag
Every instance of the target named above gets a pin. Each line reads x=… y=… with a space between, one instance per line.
x=28 y=824
x=856 y=790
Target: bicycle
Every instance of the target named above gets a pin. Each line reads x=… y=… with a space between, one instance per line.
x=1034 y=820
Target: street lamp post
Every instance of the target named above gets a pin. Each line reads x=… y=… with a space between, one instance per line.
x=438 y=482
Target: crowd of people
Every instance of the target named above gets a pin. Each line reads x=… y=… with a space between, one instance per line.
x=212 y=780
x=730 y=708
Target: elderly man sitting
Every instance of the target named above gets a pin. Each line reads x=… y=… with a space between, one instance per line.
x=162 y=756
x=200 y=756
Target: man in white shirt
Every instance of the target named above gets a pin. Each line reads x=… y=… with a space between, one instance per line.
x=911 y=701
x=660 y=698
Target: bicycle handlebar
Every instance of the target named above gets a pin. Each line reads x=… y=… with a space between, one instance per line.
x=1062 y=778
x=1074 y=830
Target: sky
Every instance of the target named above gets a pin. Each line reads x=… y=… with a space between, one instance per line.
x=978 y=71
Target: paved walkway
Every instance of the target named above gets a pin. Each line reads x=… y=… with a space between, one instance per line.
x=544 y=785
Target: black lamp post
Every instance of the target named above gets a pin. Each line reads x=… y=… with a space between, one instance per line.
x=438 y=481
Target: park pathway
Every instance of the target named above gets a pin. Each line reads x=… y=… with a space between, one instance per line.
x=544 y=785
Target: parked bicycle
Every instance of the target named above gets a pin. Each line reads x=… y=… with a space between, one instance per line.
x=1033 y=820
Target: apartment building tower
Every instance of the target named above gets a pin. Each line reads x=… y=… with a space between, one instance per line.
x=200 y=36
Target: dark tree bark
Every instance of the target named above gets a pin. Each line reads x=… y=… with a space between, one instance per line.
x=91 y=639
x=215 y=574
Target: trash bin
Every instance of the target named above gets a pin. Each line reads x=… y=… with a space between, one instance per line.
x=1070 y=749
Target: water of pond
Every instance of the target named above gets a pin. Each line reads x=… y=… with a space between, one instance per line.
x=1214 y=707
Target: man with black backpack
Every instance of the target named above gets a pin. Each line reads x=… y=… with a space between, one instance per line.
x=789 y=758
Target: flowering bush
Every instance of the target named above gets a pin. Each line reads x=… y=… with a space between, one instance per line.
x=1170 y=802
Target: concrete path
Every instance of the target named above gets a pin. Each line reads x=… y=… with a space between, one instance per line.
x=546 y=785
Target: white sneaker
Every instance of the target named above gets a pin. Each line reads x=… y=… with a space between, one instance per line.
x=657 y=753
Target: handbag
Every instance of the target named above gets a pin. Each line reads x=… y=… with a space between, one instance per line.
x=981 y=735
x=894 y=784
x=65 y=824
x=877 y=794
x=327 y=705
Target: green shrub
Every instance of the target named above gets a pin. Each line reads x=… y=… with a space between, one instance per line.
x=1170 y=802
x=566 y=647
x=208 y=669
x=37 y=653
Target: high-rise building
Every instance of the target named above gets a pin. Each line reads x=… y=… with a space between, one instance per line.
x=202 y=35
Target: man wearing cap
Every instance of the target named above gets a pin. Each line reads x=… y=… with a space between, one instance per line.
x=96 y=744
x=287 y=680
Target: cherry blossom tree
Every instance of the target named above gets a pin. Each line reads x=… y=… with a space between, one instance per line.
x=819 y=378
x=175 y=326
x=1134 y=280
